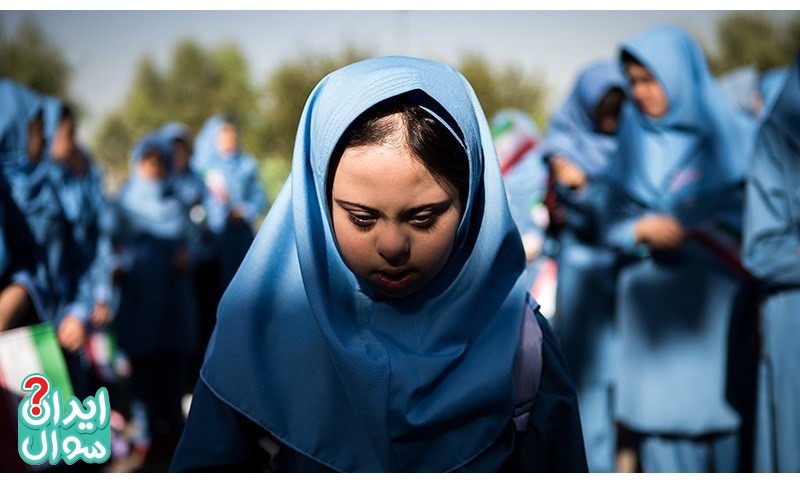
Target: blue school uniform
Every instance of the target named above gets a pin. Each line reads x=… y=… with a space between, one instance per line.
x=587 y=269
x=421 y=383
x=236 y=175
x=675 y=309
x=772 y=253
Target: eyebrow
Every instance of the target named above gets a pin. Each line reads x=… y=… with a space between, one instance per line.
x=436 y=207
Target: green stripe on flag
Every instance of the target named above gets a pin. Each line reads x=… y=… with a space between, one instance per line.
x=503 y=127
x=51 y=358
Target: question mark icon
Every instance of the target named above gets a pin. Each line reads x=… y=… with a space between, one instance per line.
x=41 y=386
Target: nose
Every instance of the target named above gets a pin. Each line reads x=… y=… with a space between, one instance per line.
x=393 y=244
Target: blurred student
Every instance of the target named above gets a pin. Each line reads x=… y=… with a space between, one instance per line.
x=191 y=190
x=237 y=198
x=580 y=147
x=679 y=189
x=772 y=253
x=155 y=324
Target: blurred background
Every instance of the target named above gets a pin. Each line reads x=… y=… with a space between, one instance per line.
x=128 y=71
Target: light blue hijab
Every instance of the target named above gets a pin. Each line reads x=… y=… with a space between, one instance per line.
x=785 y=113
x=770 y=86
x=170 y=132
x=573 y=133
x=701 y=147
x=19 y=106
x=146 y=202
x=421 y=383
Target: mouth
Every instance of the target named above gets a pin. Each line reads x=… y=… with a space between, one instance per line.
x=395 y=281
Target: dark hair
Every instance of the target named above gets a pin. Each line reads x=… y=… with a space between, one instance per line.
x=67 y=113
x=609 y=105
x=429 y=140
x=628 y=58
x=229 y=119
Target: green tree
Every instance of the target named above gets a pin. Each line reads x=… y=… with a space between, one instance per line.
x=196 y=84
x=503 y=87
x=284 y=95
x=32 y=59
x=755 y=38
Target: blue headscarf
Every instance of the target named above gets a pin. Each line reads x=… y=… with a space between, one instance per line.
x=700 y=147
x=770 y=86
x=785 y=112
x=572 y=132
x=418 y=383
x=19 y=106
x=147 y=203
x=171 y=132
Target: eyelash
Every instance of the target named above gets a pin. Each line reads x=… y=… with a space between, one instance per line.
x=361 y=223
x=423 y=223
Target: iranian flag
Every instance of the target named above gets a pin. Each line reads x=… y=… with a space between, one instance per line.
x=24 y=351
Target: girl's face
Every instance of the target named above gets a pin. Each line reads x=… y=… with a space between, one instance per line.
x=63 y=140
x=647 y=92
x=228 y=139
x=394 y=222
x=152 y=167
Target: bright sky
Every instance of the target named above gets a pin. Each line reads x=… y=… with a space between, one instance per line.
x=104 y=47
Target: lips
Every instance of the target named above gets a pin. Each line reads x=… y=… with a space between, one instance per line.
x=395 y=281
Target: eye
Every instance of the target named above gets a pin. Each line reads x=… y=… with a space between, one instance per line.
x=362 y=221
x=424 y=221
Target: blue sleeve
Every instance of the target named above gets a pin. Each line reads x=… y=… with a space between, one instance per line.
x=772 y=222
x=554 y=441
x=216 y=438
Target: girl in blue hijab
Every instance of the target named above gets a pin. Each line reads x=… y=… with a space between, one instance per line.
x=237 y=198
x=24 y=296
x=156 y=321
x=772 y=253
x=190 y=189
x=24 y=166
x=580 y=147
x=375 y=321
x=678 y=179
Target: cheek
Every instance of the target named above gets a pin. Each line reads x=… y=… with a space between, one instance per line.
x=354 y=245
x=432 y=250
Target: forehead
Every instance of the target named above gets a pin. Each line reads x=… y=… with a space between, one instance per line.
x=384 y=174
x=638 y=71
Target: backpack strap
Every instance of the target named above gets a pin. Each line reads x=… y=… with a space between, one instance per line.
x=527 y=366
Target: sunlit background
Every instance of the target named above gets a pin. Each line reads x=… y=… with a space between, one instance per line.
x=129 y=71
